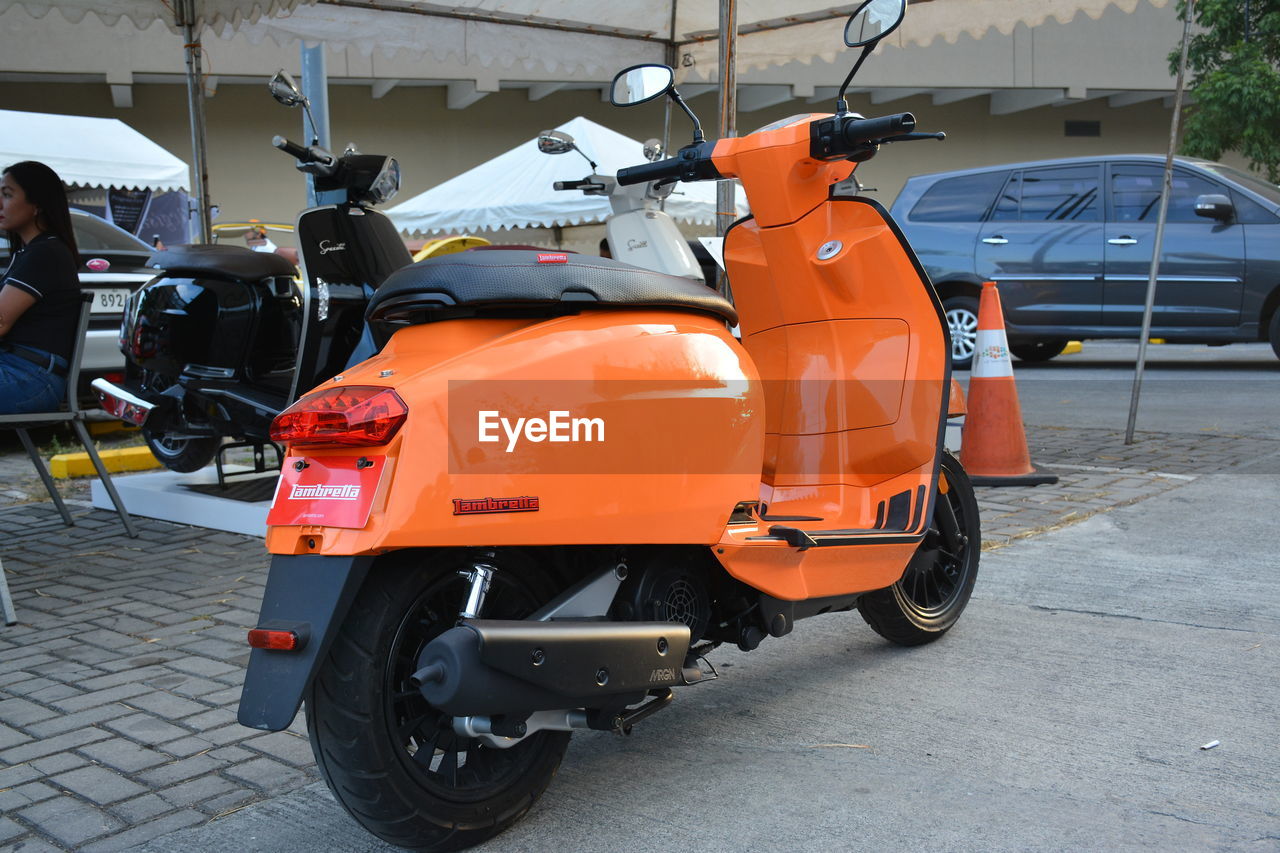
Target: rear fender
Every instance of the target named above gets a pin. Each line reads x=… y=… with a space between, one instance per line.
x=310 y=595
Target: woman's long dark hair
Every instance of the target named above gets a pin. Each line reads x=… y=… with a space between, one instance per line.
x=44 y=190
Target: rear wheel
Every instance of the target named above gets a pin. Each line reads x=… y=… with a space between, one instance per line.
x=1273 y=332
x=962 y=320
x=390 y=758
x=934 y=590
x=1042 y=349
x=183 y=455
x=180 y=454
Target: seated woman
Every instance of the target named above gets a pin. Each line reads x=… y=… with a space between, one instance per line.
x=39 y=292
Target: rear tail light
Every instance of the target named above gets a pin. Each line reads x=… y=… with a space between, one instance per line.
x=276 y=641
x=354 y=416
x=119 y=403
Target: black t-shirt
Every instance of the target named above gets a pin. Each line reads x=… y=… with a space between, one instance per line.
x=45 y=269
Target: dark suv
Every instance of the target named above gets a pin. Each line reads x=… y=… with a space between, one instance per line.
x=1070 y=242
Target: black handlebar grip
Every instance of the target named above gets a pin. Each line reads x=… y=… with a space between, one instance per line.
x=864 y=130
x=673 y=167
x=293 y=149
x=570 y=185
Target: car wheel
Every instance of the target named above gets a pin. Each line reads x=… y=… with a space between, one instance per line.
x=962 y=320
x=1274 y=333
x=1038 y=350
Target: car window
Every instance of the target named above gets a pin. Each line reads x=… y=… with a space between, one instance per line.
x=1067 y=193
x=1249 y=212
x=960 y=199
x=1006 y=207
x=1135 y=194
x=1266 y=189
x=98 y=235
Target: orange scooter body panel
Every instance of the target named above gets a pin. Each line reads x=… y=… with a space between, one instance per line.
x=852 y=349
x=678 y=443
x=830 y=412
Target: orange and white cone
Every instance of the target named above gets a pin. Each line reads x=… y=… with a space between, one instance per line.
x=994 y=449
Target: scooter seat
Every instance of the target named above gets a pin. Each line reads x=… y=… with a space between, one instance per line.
x=532 y=283
x=234 y=262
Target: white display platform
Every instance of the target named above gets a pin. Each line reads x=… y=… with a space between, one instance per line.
x=165 y=495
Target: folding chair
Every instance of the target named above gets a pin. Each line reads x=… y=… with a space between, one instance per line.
x=75 y=416
x=6 y=601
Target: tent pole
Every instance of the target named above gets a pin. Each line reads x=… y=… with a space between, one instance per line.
x=185 y=11
x=728 y=105
x=725 y=208
x=315 y=85
x=1165 y=192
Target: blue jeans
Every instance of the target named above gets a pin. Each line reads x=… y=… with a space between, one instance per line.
x=26 y=387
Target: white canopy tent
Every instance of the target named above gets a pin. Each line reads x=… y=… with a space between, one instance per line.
x=90 y=152
x=568 y=35
x=515 y=189
x=188 y=18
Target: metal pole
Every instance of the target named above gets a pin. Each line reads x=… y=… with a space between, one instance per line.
x=185 y=13
x=315 y=85
x=1160 y=220
x=725 y=213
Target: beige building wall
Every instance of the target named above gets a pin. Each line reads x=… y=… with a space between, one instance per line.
x=248 y=178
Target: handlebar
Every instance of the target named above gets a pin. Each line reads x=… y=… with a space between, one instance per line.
x=293 y=149
x=585 y=183
x=859 y=131
x=672 y=168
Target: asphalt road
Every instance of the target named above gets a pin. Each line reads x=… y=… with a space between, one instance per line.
x=1066 y=711
x=1185 y=388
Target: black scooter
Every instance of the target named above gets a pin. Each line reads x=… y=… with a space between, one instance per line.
x=225 y=338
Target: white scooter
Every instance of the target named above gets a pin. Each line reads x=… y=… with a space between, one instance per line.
x=639 y=231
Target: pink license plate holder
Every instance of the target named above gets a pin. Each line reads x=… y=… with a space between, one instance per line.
x=327 y=491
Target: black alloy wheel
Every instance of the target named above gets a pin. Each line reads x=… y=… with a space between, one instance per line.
x=180 y=454
x=1039 y=349
x=392 y=760
x=929 y=598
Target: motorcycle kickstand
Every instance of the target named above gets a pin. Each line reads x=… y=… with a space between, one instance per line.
x=624 y=723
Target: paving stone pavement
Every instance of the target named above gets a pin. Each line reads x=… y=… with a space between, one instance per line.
x=119 y=684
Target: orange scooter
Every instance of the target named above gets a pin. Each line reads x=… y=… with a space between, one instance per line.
x=562 y=483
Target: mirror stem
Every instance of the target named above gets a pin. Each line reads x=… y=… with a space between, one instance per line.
x=594 y=167
x=698 y=138
x=842 y=105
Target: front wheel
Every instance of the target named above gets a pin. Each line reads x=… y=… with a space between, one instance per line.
x=936 y=586
x=390 y=758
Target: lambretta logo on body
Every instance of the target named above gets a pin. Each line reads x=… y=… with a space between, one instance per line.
x=349 y=492
x=556 y=427
x=470 y=506
x=327 y=246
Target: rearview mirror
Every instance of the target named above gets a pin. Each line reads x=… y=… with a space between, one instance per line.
x=1214 y=206
x=640 y=83
x=555 y=142
x=286 y=91
x=873 y=20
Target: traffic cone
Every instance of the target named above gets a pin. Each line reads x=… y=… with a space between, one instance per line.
x=994 y=447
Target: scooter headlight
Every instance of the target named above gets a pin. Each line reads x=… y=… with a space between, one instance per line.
x=387 y=183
